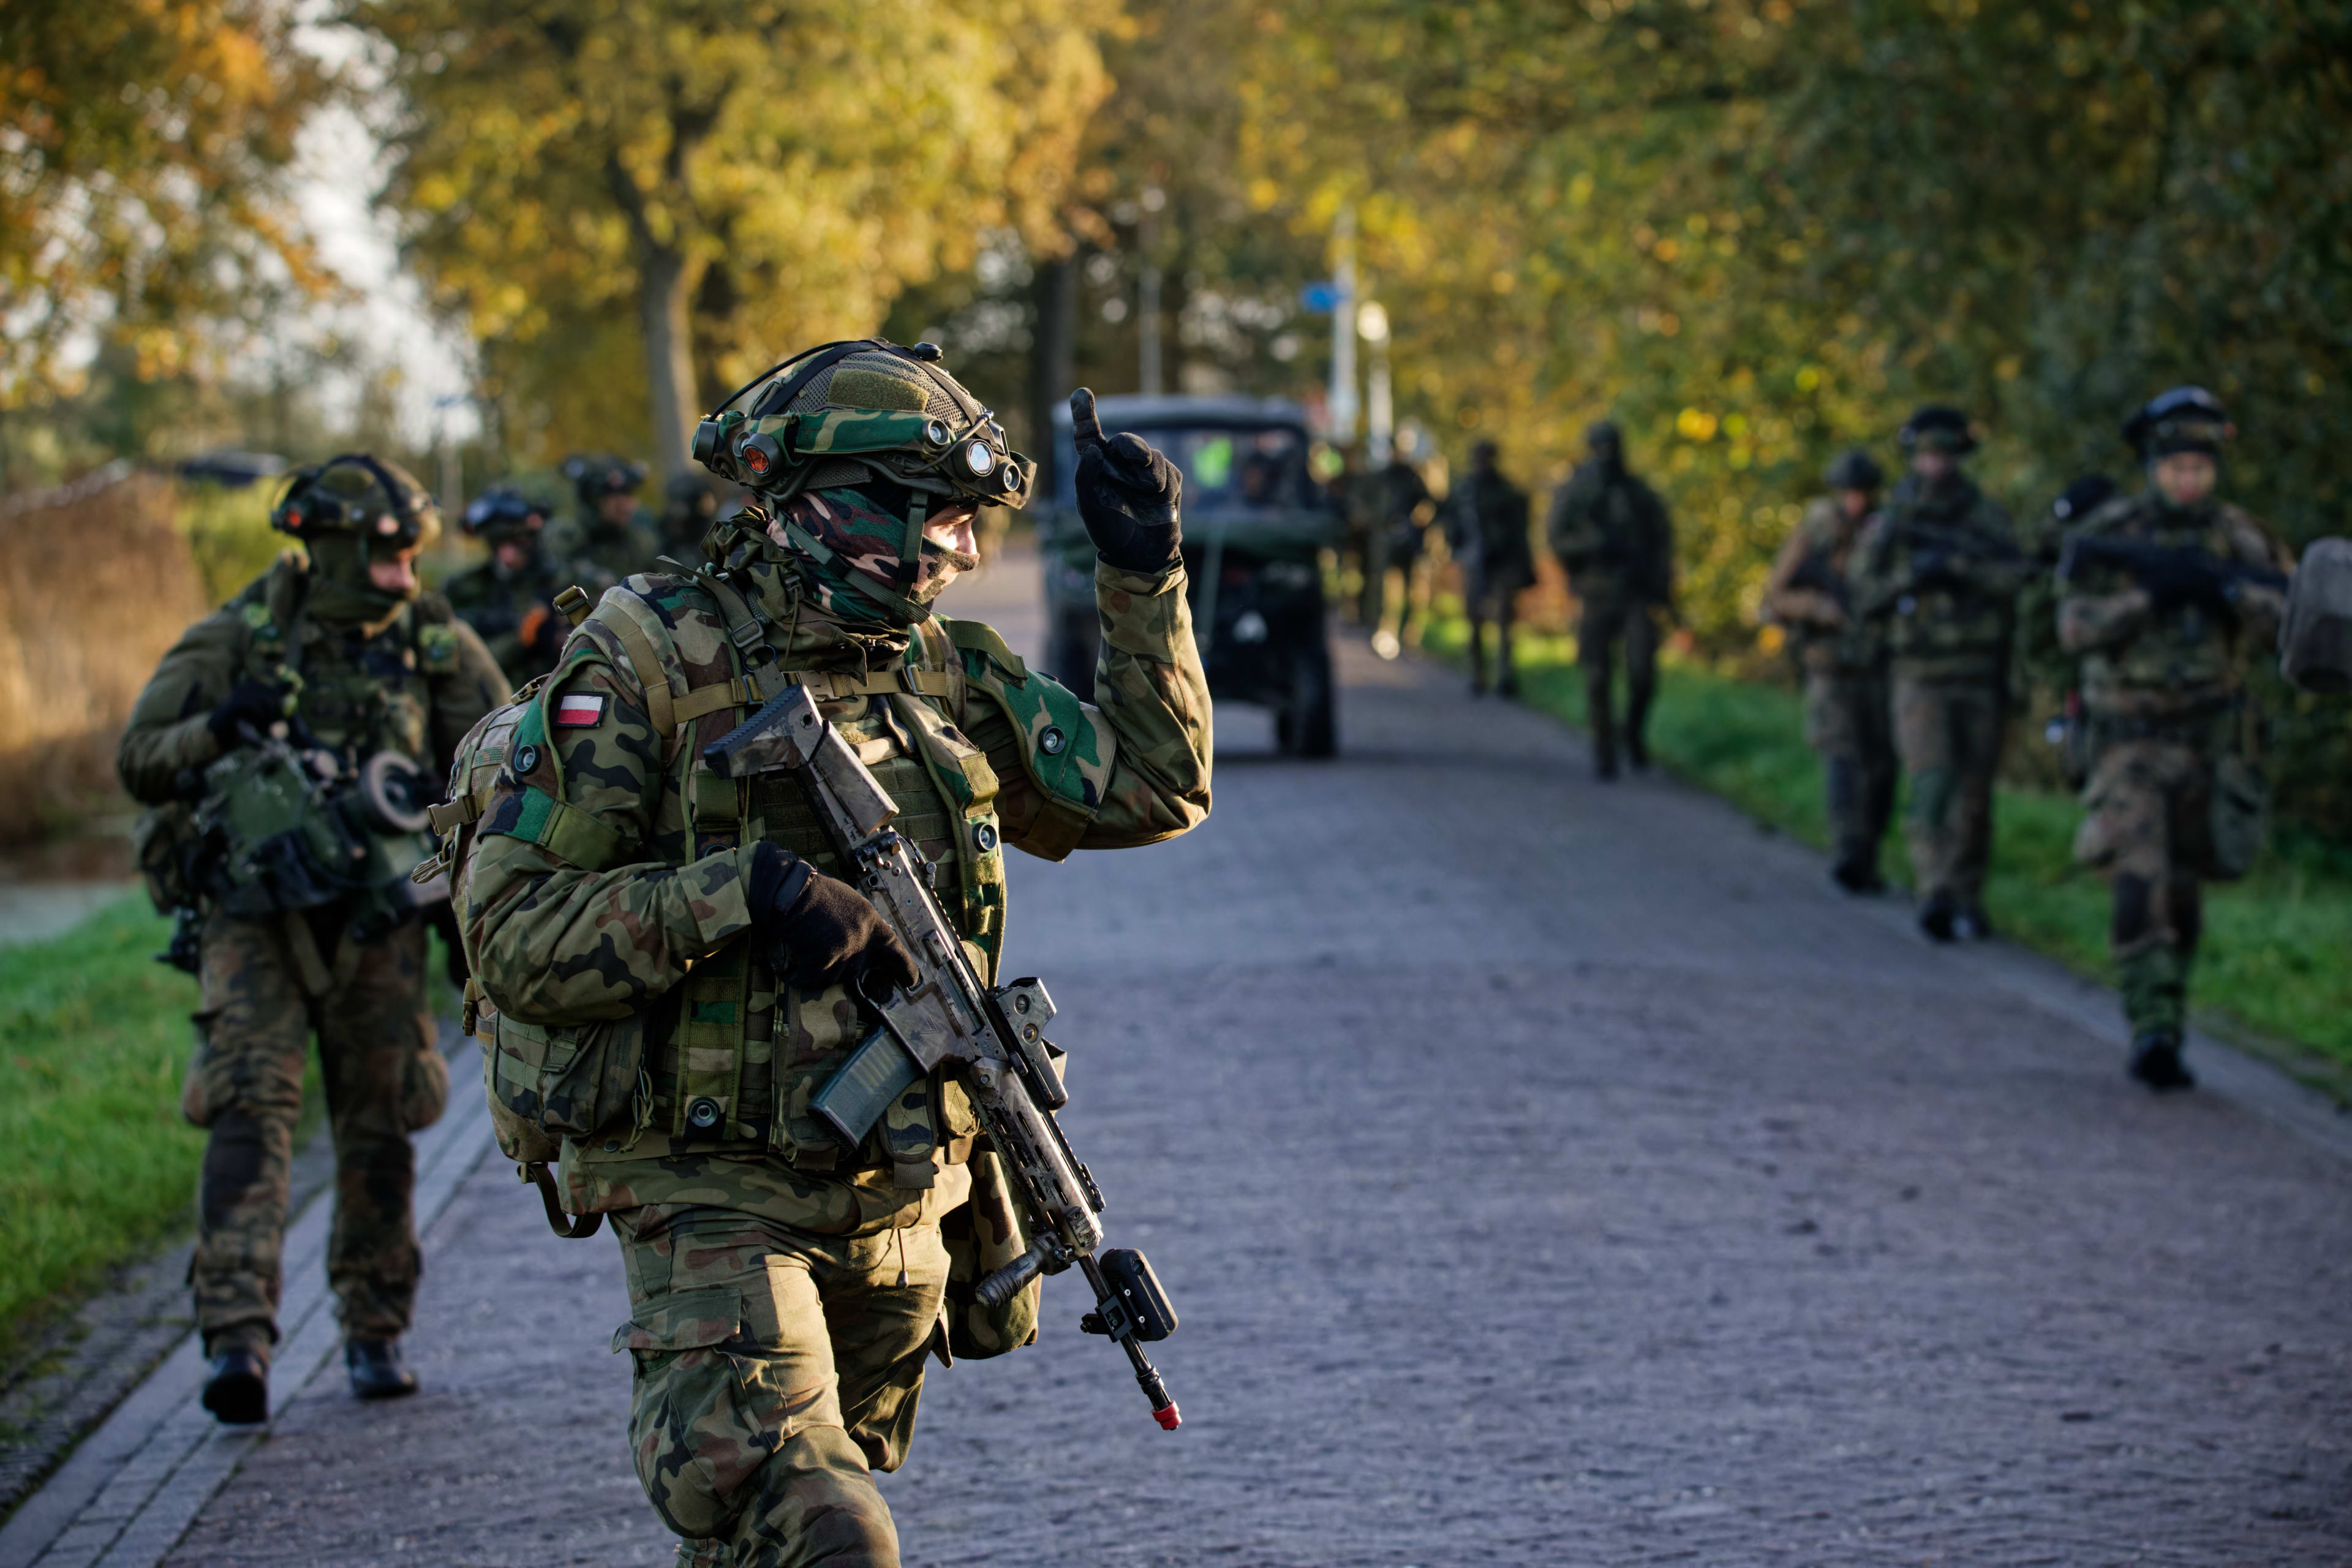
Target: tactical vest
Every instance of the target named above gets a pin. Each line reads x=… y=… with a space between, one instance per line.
x=728 y=1060
x=381 y=701
x=2179 y=650
x=1942 y=622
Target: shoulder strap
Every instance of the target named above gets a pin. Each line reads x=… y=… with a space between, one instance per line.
x=661 y=707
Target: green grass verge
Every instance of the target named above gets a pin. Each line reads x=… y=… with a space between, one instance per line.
x=2271 y=974
x=96 y=1165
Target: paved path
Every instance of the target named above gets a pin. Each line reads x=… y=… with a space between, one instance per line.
x=1545 y=1173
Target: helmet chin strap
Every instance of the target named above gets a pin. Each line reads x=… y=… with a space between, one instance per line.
x=910 y=550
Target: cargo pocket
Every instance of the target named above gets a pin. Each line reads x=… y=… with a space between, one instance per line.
x=424 y=1086
x=694 y=1439
x=568 y=1080
x=2238 y=819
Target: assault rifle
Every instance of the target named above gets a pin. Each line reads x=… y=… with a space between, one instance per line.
x=2172 y=575
x=993 y=1039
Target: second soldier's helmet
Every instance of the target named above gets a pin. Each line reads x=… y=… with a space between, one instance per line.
x=596 y=477
x=357 y=495
x=1938 y=427
x=503 y=512
x=844 y=412
x=2184 y=419
x=1853 y=470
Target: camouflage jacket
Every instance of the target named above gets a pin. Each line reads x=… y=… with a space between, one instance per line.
x=1941 y=568
x=610 y=879
x=596 y=554
x=1485 y=521
x=513 y=612
x=413 y=683
x=2182 y=660
x=1808 y=593
x=1613 y=538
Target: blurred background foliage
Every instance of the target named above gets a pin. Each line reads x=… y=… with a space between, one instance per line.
x=1753 y=231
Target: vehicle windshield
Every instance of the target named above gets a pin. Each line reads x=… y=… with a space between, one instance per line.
x=1226 y=468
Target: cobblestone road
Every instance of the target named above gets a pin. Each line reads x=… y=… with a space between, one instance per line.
x=1545 y=1173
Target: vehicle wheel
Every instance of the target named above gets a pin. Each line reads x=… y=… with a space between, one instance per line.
x=1307 y=725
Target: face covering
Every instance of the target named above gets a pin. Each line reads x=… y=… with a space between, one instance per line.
x=861 y=529
x=342 y=592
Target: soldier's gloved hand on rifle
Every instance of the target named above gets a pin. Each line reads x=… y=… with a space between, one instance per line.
x=259 y=703
x=818 y=931
x=1127 y=493
x=2178 y=577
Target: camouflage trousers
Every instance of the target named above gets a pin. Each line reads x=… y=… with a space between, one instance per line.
x=1601 y=627
x=2147 y=808
x=1948 y=735
x=775 y=1372
x=268 y=987
x=1850 y=724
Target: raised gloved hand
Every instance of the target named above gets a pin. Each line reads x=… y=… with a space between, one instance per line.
x=1128 y=494
x=818 y=931
x=259 y=703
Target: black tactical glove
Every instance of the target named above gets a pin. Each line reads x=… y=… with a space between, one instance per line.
x=259 y=703
x=1129 y=493
x=819 y=931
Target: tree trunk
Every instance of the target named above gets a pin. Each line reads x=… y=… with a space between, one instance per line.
x=670 y=355
x=1055 y=294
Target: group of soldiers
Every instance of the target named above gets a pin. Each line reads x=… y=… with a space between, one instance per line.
x=681 y=943
x=510 y=598
x=1916 y=616
x=1608 y=528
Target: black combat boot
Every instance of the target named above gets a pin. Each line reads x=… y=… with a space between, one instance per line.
x=238 y=1391
x=1604 y=762
x=1971 y=925
x=1856 y=871
x=2155 y=1062
x=378 y=1370
x=1936 y=915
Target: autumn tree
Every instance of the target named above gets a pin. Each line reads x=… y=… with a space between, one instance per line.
x=145 y=151
x=741 y=179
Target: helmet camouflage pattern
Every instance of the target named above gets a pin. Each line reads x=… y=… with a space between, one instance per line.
x=2183 y=419
x=843 y=413
x=360 y=496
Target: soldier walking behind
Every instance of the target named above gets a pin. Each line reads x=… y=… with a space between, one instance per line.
x=1487 y=533
x=785 y=1290
x=1402 y=510
x=1941 y=568
x=337 y=665
x=509 y=599
x=612 y=538
x=1613 y=538
x=2164 y=599
x=1843 y=659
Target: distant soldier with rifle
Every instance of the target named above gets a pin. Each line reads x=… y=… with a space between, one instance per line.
x=706 y=904
x=289 y=744
x=509 y=599
x=1844 y=658
x=1486 y=536
x=2165 y=596
x=1940 y=571
x=1613 y=538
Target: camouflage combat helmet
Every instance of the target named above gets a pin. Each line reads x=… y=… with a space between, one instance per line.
x=1938 y=427
x=2183 y=419
x=1853 y=470
x=359 y=496
x=594 y=478
x=501 y=513
x=845 y=411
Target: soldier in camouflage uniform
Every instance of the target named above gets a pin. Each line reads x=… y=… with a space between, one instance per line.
x=614 y=537
x=786 y=1291
x=1487 y=534
x=2169 y=802
x=509 y=599
x=1401 y=511
x=1940 y=568
x=345 y=652
x=691 y=506
x=1847 y=721
x=1613 y=538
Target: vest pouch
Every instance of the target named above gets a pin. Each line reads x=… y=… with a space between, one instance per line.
x=981 y=1237
x=2239 y=818
x=570 y=1081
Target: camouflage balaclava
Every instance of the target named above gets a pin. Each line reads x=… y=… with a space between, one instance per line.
x=349 y=513
x=861 y=528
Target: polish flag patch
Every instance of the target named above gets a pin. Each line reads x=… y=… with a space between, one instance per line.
x=580 y=710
